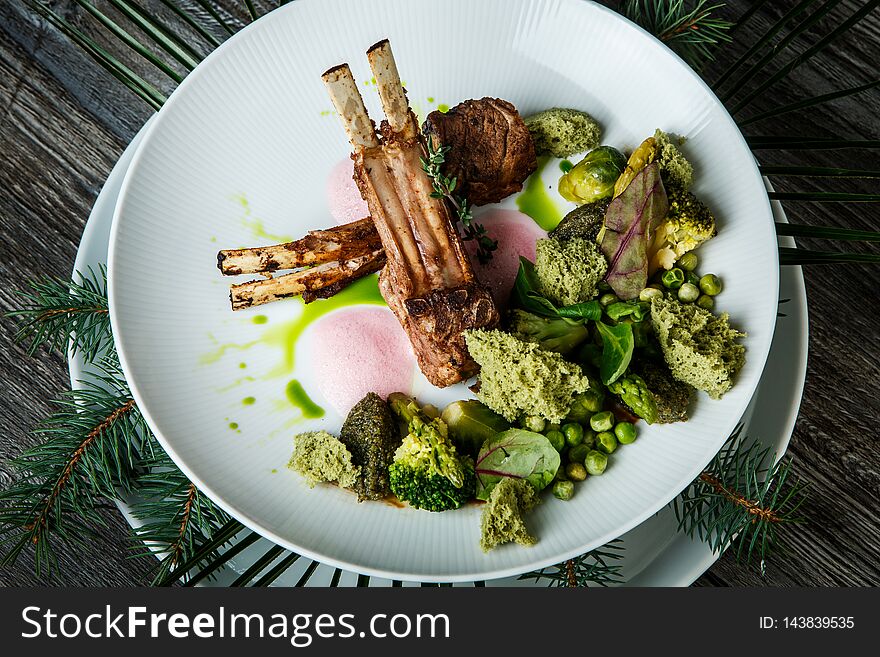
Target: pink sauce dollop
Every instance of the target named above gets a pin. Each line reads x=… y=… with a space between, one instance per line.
x=516 y=234
x=343 y=195
x=360 y=350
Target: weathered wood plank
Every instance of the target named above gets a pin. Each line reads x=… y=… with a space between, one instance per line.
x=63 y=123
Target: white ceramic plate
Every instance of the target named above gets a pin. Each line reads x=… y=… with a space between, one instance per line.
x=251 y=123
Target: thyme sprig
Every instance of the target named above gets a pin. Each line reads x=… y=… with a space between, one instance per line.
x=445 y=187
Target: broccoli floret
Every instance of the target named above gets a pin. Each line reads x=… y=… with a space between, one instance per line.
x=319 y=457
x=700 y=348
x=634 y=392
x=568 y=271
x=371 y=435
x=675 y=170
x=519 y=379
x=672 y=397
x=559 y=335
x=427 y=472
x=562 y=132
x=502 y=517
x=688 y=224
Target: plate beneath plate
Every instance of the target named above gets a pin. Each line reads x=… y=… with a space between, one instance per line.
x=235 y=157
x=655 y=553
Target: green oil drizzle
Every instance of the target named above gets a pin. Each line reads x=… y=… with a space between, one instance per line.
x=430 y=99
x=249 y=401
x=566 y=166
x=259 y=319
x=536 y=202
x=297 y=396
x=255 y=226
x=443 y=107
x=286 y=334
x=242 y=365
x=233 y=425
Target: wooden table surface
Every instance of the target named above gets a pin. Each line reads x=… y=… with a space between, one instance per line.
x=64 y=122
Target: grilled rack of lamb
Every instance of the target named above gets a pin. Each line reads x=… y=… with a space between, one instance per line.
x=427 y=281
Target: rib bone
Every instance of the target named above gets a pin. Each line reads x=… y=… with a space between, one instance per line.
x=428 y=281
x=317 y=247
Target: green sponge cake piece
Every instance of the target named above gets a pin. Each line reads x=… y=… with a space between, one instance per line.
x=700 y=348
x=562 y=132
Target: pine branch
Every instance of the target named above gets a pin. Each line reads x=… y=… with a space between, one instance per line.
x=178 y=518
x=56 y=313
x=90 y=450
x=741 y=500
x=595 y=567
x=691 y=29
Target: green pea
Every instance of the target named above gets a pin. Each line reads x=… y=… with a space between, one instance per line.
x=578 y=453
x=650 y=293
x=710 y=284
x=673 y=279
x=563 y=490
x=688 y=293
x=603 y=421
x=574 y=434
x=557 y=439
x=656 y=286
x=596 y=462
x=589 y=438
x=706 y=302
x=688 y=261
x=606 y=441
x=607 y=299
x=625 y=432
x=692 y=278
x=576 y=471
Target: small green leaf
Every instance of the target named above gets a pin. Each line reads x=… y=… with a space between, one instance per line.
x=617 y=350
x=589 y=310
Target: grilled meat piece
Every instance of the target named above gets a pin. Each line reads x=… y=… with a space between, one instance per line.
x=491 y=150
x=428 y=281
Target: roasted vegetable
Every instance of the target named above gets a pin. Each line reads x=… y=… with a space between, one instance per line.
x=519 y=379
x=633 y=392
x=502 y=517
x=672 y=397
x=569 y=271
x=561 y=132
x=370 y=433
x=321 y=457
x=427 y=471
x=584 y=222
x=471 y=423
x=700 y=348
x=688 y=224
x=644 y=155
x=593 y=178
x=559 y=335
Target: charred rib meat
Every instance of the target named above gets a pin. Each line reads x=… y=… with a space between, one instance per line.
x=428 y=281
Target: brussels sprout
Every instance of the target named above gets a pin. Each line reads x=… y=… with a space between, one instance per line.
x=471 y=423
x=593 y=178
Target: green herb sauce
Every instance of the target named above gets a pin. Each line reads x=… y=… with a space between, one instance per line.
x=565 y=166
x=536 y=202
x=249 y=401
x=233 y=425
x=443 y=107
x=297 y=396
x=259 y=319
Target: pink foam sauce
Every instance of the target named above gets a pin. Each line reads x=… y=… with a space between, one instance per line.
x=360 y=350
x=516 y=234
x=343 y=196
